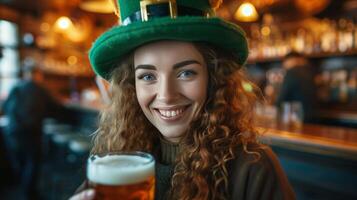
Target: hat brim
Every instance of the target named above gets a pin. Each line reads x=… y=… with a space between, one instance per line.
x=111 y=46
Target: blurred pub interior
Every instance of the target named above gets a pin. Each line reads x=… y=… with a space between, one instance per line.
x=320 y=158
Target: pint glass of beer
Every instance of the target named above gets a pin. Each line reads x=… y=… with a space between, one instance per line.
x=122 y=175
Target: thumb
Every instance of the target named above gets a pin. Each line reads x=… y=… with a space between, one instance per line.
x=85 y=195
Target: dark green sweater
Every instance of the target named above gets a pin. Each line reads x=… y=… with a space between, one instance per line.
x=248 y=179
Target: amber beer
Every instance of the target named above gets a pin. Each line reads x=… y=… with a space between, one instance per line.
x=125 y=176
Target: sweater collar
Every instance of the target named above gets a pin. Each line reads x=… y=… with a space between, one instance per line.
x=169 y=151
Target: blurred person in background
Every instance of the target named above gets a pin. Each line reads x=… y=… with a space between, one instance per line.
x=298 y=85
x=27 y=105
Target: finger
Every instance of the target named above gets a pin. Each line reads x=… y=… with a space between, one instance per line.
x=85 y=195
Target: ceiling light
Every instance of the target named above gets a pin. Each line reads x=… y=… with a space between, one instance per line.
x=63 y=23
x=246 y=13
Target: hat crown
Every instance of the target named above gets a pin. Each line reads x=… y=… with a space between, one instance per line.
x=127 y=8
x=145 y=21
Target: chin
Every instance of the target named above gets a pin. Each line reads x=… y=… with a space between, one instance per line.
x=171 y=136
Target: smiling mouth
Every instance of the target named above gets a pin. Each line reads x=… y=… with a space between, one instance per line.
x=171 y=114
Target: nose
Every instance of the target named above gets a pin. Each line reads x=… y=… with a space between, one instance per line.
x=167 y=91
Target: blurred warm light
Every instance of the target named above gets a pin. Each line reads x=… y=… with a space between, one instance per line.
x=72 y=60
x=246 y=13
x=97 y=6
x=63 y=23
x=45 y=27
x=265 y=31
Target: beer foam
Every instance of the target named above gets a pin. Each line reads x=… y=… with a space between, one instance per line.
x=120 y=169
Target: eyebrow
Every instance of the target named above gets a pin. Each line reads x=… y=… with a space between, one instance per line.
x=184 y=63
x=151 y=67
x=175 y=66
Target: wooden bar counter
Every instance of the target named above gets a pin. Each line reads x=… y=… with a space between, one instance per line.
x=319 y=139
x=320 y=161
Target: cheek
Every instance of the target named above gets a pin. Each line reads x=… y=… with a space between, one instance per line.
x=140 y=96
x=144 y=96
x=197 y=91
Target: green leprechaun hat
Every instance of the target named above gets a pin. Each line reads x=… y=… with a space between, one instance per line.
x=143 y=21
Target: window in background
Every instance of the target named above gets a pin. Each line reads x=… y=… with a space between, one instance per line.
x=10 y=60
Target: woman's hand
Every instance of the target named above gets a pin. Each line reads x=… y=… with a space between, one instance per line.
x=84 y=195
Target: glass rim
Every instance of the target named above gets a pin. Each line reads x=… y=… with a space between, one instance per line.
x=147 y=155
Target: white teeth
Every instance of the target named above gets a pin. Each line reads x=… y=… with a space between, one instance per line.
x=171 y=113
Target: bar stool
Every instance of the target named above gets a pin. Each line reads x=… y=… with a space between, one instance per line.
x=79 y=148
x=60 y=143
x=72 y=151
x=50 y=128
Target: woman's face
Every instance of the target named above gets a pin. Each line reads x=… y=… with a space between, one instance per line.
x=171 y=81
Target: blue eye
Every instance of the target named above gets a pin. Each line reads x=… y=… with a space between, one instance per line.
x=187 y=74
x=147 y=77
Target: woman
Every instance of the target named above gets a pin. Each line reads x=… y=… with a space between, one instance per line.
x=178 y=93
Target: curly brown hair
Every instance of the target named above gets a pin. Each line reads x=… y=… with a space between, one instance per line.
x=224 y=125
